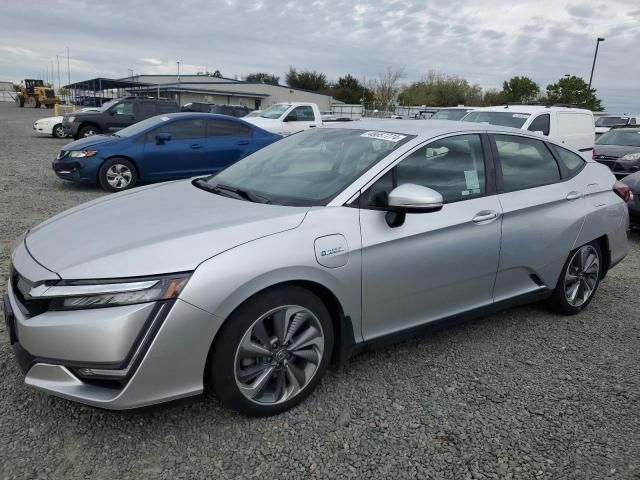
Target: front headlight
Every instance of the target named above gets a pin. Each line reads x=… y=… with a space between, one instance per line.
x=631 y=157
x=68 y=295
x=82 y=153
x=71 y=119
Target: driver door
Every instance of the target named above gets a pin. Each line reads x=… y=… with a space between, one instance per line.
x=120 y=116
x=436 y=264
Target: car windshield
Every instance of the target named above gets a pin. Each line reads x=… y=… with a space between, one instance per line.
x=106 y=106
x=617 y=137
x=610 y=121
x=275 y=111
x=504 y=119
x=139 y=127
x=311 y=167
x=450 y=114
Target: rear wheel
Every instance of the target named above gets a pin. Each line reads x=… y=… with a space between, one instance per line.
x=58 y=131
x=272 y=351
x=19 y=101
x=32 y=102
x=117 y=174
x=579 y=280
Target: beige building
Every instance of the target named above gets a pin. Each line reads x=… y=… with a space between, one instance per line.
x=206 y=89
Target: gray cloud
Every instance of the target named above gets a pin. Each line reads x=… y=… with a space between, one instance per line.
x=485 y=42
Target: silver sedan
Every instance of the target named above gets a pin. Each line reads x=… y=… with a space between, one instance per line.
x=253 y=280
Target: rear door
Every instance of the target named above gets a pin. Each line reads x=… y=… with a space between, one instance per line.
x=183 y=155
x=437 y=264
x=227 y=142
x=543 y=209
x=144 y=109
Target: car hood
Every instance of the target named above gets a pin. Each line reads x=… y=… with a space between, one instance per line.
x=91 y=141
x=615 y=150
x=268 y=124
x=152 y=230
x=57 y=119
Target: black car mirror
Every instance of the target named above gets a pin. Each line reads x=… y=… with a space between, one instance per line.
x=162 y=138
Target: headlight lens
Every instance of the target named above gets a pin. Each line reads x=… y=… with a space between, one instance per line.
x=82 y=153
x=108 y=293
x=72 y=119
x=630 y=157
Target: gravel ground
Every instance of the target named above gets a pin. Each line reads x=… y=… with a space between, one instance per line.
x=521 y=394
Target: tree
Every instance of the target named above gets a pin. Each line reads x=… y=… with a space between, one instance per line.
x=350 y=90
x=493 y=97
x=216 y=74
x=306 y=79
x=262 y=77
x=441 y=90
x=575 y=91
x=520 y=89
x=387 y=87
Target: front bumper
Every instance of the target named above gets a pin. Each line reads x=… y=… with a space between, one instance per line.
x=73 y=171
x=71 y=129
x=158 y=351
x=43 y=128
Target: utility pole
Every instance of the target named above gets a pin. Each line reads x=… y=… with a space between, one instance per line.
x=595 y=55
x=58 y=62
x=68 y=74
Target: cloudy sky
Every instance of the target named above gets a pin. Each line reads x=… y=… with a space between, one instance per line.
x=485 y=41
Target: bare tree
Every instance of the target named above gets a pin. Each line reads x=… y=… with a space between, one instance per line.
x=387 y=87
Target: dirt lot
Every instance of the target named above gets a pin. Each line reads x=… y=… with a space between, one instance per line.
x=521 y=394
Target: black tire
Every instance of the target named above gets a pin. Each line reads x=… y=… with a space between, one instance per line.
x=58 y=131
x=38 y=104
x=19 y=101
x=110 y=167
x=558 y=301
x=222 y=358
x=88 y=131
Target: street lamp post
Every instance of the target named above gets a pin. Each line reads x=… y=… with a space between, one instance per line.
x=595 y=55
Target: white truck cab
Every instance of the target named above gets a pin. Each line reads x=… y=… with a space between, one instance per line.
x=287 y=118
x=571 y=126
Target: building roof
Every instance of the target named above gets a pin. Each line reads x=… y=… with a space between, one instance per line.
x=174 y=87
x=101 y=83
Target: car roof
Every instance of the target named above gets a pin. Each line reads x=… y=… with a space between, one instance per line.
x=174 y=115
x=531 y=109
x=422 y=128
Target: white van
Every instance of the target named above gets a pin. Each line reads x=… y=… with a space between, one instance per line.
x=572 y=126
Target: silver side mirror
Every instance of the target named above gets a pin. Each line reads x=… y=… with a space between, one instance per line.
x=411 y=198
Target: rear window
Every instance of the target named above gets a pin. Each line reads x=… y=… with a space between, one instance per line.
x=571 y=162
x=504 y=119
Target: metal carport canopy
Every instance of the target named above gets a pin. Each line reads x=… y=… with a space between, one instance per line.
x=100 y=83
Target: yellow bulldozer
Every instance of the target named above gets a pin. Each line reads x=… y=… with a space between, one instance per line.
x=35 y=94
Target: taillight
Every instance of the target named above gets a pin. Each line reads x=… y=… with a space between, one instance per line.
x=622 y=190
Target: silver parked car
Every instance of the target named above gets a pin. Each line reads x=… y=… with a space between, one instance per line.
x=253 y=280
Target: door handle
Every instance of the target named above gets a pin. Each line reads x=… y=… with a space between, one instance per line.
x=485 y=216
x=573 y=195
x=196 y=145
x=243 y=142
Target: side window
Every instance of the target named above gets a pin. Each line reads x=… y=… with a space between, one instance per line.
x=225 y=128
x=124 y=108
x=302 y=114
x=180 y=130
x=540 y=124
x=453 y=166
x=571 y=162
x=632 y=121
x=144 y=110
x=525 y=162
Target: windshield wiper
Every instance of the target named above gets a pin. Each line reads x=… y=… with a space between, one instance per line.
x=221 y=189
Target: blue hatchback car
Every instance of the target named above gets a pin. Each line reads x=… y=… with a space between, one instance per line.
x=165 y=147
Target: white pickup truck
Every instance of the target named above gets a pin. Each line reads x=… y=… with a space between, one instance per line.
x=287 y=118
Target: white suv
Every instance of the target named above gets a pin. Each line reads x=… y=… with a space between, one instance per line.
x=571 y=126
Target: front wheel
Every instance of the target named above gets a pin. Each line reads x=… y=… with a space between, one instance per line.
x=58 y=131
x=117 y=174
x=579 y=280
x=272 y=351
x=88 y=131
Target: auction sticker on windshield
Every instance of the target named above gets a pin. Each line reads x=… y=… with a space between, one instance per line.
x=390 y=137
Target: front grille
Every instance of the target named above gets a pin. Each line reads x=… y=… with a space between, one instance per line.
x=20 y=286
x=612 y=158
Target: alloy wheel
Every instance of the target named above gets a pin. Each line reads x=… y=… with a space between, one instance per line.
x=279 y=355
x=582 y=276
x=59 y=132
x=119 y=176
